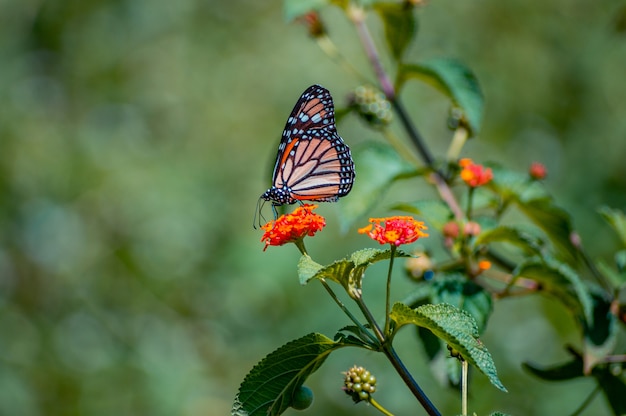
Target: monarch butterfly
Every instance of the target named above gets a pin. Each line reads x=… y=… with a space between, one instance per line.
x=313 y=163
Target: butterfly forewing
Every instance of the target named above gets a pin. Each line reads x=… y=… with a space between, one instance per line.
x=313 y=111
x=313 y=162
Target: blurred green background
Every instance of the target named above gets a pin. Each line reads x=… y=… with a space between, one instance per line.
x=137 y=135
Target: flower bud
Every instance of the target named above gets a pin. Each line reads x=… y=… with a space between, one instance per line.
x=471 y=228
x=450 y=229
x=313 y=23
x=474 y=175
x=537 y=171
x=371 y=105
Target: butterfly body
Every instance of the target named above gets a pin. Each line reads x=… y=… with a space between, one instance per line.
x=313 y=163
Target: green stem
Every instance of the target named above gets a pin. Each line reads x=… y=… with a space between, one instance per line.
x=388 y=290
x=300 y=244
x=464 y=371
x=470 y=198
x=458 y=141
x=347 y=312
x=413 y=133
x=378 y=407
x=390 y=353
x=410 y=381
x=370 y=319
x=587 y=401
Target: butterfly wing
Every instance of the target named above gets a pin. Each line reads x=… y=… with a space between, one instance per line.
x=318 y=169
x=313 y=162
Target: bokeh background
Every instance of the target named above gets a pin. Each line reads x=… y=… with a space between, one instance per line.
x=137 y=135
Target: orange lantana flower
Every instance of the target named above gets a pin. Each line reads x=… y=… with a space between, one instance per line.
x=484 y=265
x=474 y=175
x=396 y=230
x=291 y=228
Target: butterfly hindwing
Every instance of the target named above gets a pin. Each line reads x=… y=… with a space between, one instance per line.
x=325 y=170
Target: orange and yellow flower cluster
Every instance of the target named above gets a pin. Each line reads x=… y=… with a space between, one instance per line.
x=474 y=175
x=396 y=230
x=293 y=227
x=302 y=222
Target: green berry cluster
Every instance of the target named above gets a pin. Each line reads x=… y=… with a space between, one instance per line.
x=372 y=105
x=359 y=383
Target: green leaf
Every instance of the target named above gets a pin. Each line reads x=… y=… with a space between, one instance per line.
x=615 y=278
x=455 y=80
x=307 y=269
x=432 y=345
x=420 y=295
x=614 y=390
x=617 y=220
x=555 y=222
x=270 y=385
x=347 y=272
x=379 y=165
x=452 y=289
x=561 y=281
x=456 y=327
x=566 y=371
x=466 y=295
x=357 y=337
x=601 y=332
x=514 y=185
x=434 y=212
x=372 y=255
x=400 y=26
x=503 y=234
x=295 y=8
x=612 y=386
x=620 y=261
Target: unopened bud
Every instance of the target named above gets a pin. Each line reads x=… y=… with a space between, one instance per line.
x=359 y=384
x=537 y=171
x=371 y=105
x=471 y=228
x=313 y=24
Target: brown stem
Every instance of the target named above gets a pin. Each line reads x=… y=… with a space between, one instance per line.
x=357 y=16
